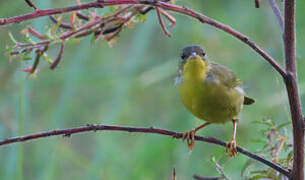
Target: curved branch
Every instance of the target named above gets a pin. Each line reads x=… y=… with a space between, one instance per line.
x=151 y=130
x=204 y=19
x=171 y=7
x=277 y=13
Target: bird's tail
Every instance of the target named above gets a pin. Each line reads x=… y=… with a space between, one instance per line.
x=248 y=100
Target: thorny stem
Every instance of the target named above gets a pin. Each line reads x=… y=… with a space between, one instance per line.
x=177 y=135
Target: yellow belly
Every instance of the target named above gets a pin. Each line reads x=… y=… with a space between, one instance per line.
x=211 y=102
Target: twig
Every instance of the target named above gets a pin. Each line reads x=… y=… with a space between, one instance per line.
x=62 y=25
x=57 y=60
x=81 y=16
x=174 y=176
x=146 y=10
x=31 y=4
x=152 y=130
x=166 y=32
x=277 y=13
x=36 y=34
x=277 y=151
x=169 y=17
x=49 y=12
x=38 y=52
x=204 y=19
x=256 y=3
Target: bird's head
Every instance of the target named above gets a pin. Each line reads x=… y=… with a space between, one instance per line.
x=193 y=58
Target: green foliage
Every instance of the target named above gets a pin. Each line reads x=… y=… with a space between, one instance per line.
x=276 y=145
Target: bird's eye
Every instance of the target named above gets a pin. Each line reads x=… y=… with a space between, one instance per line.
x=203 y=54
x=182 y=56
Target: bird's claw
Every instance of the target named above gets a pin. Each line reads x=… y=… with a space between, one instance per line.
x=190 y=139
x=231 y=148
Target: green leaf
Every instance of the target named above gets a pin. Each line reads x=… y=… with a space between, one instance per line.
x=92 y=39
x=259 y=141
x=25 y=57
x=259 y=172
x=282 y=125
x=257 y=177
x=140 y=18
x=47 y=58
x=27 y=39
x=73 y=41
x=12 y=37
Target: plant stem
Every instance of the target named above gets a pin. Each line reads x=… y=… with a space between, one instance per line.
x=293 y=92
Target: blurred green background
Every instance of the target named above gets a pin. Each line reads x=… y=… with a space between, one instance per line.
x=133 y=84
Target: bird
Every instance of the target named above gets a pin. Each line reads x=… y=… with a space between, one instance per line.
x=211 y=92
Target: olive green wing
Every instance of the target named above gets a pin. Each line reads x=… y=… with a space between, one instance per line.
x=224 y=75
x=229 y=79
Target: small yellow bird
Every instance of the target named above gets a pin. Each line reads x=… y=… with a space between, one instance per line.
x=210 y=91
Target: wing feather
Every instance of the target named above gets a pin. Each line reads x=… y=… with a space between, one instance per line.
x=224 y=75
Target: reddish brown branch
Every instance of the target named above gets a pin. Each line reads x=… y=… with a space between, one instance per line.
x=57 y=60
x=171 y=7
x=83 y=17
x=31 y=4
x=36 y=34
x=169 y=17
x=204 y=19
x=49 y=12
x=166 y=32
x=151 y=130
x=293 y=92
x=62 y=25
x=256 y=3
x=174 y=176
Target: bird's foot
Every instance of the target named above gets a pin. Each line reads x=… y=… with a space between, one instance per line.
x=190 y=139
x=231 y=148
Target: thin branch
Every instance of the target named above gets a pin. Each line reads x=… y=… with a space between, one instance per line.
x=169 y=17
x=152 y=130
x=171 y=7
x=81 y=16
x=277 y=13
x=57 y=60
x=36 y=34
x=204 y=19
x=256 y=3
x=174 y=176
x=49 y=12
x=166 y=32
x=31 y=4
x=62 y=25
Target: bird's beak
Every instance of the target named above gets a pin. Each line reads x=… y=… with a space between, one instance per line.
x=194 y=54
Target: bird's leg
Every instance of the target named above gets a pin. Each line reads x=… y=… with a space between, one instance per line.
x=190 y=135
x=231 y=145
